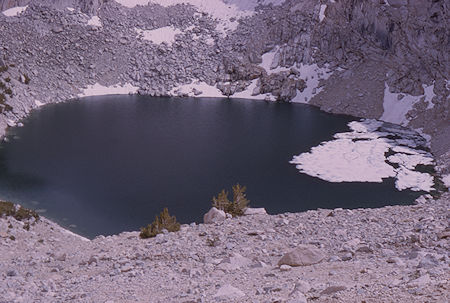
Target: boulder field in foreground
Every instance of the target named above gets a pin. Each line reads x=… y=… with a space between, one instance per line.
x=390 y=254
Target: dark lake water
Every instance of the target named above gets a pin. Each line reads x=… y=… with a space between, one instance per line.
x=108 y=164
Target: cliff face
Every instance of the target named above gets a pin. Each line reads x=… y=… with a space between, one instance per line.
x=411 y=36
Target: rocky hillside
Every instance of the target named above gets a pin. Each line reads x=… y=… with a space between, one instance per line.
x=375 y=59
x=346 y=57
x=391 y=254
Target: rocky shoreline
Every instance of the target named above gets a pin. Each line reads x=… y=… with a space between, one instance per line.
x=390 y=254
x=342 y=57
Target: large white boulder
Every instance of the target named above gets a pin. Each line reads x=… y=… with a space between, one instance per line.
x=303 y=255
x=214 y=215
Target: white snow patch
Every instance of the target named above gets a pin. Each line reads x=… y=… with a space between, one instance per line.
x=429 y=95
x=132 y=3
x=163 y=34
x=347 y=160
x=343 y=160
x=446 y=180
x=311 y=74
x=95 y=21
x=395 y=110
x=38 y=103
x=414 y=180
x=14 y=11
x=205 y=89
x=213 y=92
x=323 y=7
x=248 y=93
x=268 y=60
x=71 y=9
x=99 y=90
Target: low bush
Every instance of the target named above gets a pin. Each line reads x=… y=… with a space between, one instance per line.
x=235 y=207
x=8 y=209
x=163 y=221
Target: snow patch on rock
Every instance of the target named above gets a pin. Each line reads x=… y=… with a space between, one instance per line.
x=95 y=21
x=360 y=156
x=311 y=74
x=446 y=180
x=397 y=105
x=197 y=88
x=99 y=90
x=160 y=35
x=15 y=11
x=323 y=7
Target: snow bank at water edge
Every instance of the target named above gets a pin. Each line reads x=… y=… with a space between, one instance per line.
x=99 y=90
x=372 y=151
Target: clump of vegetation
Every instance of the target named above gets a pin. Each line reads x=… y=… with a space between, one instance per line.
x=163 y=221
x=213 y=242
x=8 y=209
x=235 y=207
x=7 y=79
x=3 y=68
x=27 y=79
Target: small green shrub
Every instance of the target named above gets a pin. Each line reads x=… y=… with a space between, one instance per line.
x=235 y=207
x=27 y=79
x=213 y=242
x=163 y=221
x=8 y=209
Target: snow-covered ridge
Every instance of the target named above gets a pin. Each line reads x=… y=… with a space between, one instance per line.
x=372 y=151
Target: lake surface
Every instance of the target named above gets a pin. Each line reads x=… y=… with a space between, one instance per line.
x=102 y=165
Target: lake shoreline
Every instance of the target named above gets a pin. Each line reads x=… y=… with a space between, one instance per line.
x=401 y=257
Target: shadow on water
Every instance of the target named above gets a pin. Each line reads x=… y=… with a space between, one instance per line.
x=107 y=164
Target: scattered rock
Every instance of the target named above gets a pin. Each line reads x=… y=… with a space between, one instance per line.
x=229 y=292
x=303 y=255
x=333 y=289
